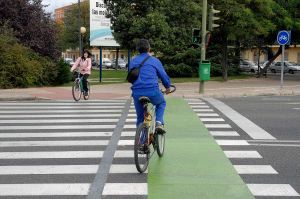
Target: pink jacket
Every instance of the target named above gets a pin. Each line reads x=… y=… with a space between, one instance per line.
x=84 y=66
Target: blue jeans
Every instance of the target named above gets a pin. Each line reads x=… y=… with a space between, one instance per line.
x=157 y=99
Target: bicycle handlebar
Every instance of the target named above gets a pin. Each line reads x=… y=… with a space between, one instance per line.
x=172 y=90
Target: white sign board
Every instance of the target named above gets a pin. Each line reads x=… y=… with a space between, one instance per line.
x=100 y=31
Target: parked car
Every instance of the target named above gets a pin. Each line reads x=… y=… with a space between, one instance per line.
x=248 y=66
x=94 y=62
x=106 y=64
x=121 y=64
x=69 y=61
x=289 y=67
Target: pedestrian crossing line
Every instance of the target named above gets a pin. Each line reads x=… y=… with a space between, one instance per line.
x=242 y=154
x=224 y=133
x=54 y=143
x=131 y=115
x=270 y=190
x=232 y=142
x=196 y=103
x=48 y=169
x=51 y=155
x=193 y=100
x=125 y=189
x=124 y=154
x=131 y=120
x=65 y=111
x=59 y=107
x=75 y=189
x=57 y=127
x=217 y=126
x=255 y=169
x=208 y=115
x=61 y=115
x=199 y=106
x=212 y=119
x=203 y=110
x=127 y=133
x=123 y=168
x=125 y=142
x=47 y=121
x=129 y=126
x=56 y=134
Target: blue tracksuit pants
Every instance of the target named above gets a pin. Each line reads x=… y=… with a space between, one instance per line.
x=157 y=99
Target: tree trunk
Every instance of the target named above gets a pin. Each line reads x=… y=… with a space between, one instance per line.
x=264 y=70
x=225 y=60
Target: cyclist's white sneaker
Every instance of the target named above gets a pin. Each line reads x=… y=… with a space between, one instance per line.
x=159 y=128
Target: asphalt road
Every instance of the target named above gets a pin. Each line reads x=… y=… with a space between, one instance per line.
x=280 y=117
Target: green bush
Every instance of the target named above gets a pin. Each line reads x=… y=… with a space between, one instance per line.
x=21 y=67
x=180 y=70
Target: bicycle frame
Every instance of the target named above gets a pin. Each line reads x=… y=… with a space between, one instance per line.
x=149 y=123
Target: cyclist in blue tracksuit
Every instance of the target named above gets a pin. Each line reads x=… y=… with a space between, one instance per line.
x=147 y=84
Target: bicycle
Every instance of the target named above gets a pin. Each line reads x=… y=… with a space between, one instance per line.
x=77 y=88
x=147 y=140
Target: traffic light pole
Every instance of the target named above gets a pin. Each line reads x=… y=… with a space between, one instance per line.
x=203 y=50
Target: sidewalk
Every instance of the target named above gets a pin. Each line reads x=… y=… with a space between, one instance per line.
x=233 y=88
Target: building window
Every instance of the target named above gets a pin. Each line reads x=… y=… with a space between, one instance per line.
x=104 y=56
x=298 y=58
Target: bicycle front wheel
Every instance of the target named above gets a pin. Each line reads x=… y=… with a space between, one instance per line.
x=160 y=144
x=76 y=90
x=141 y=150
x=86 y=97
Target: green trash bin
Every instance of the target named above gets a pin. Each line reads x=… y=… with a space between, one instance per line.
x=204 y=70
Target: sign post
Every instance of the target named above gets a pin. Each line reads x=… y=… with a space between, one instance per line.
x=283 y=38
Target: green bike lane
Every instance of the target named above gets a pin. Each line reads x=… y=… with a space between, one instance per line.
x=193 y=165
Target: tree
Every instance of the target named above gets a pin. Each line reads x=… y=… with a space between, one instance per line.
x=34 y=28
x=69 y=30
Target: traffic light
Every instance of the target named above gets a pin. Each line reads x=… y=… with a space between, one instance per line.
x=196 y=36
x=212 y=18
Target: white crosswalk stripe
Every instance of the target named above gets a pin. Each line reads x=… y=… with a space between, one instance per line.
x=227 y=138
x=41 y=140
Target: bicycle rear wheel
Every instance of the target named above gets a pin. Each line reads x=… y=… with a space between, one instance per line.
x=76 y=90
x=141 y=157
x=160 y=144
x=86 y=97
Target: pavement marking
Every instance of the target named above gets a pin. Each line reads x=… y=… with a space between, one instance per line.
x=51 y=155
x=54 y=143
x=128 y=133
x=99 y=183
x=65 y=111
x=245 y=124
x=86 y=104
x=131 y=115
x=275 y=141
x=232 y=142
x=52 y=121
x=56 y=134
x=255 y=169
x=131 y=120
x=194 y=100
x=49 y=169
x=125 y=142
x=196 y=103
x=63 y=116
x=123 y=168
x=276 y=145
x=294 y=103
x=272 y=190
x=224 y=133
x=242 y=154
x=57 y=127
x=212 y=119
x=130 y=126
x=207 y=114
x=219 y=126
x=60 y=107
x=125 y=189
x=124 y=154
x=203 y=110
x=132 y=111
x=43 y=189
x=199 y=106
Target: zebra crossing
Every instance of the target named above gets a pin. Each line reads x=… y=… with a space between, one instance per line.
x=54 y=149
x=238 y=149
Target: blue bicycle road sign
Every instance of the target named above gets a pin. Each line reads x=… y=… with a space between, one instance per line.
x=283 y=37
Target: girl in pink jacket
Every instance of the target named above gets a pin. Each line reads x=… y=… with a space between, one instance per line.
x=85 y=65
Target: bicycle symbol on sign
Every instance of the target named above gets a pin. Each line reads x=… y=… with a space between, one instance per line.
x=283 y=38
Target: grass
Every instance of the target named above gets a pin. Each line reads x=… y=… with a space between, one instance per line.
x=120 y=77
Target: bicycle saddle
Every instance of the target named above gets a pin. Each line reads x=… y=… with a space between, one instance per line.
x=144 y=100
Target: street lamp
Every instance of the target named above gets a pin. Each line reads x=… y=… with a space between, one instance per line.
x=82 y=31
